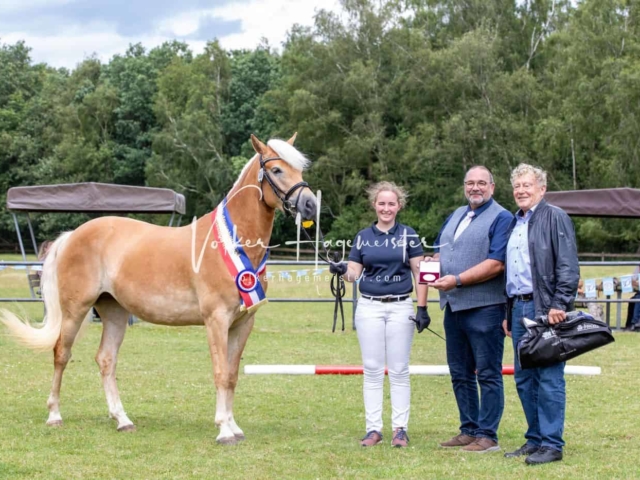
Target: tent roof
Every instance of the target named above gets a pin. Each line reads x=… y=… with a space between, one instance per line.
x=605 y=202
x=94 y=197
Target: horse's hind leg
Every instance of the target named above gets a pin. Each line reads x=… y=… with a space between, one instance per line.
x=114 y=321
x=61 y=356
x=238 y=336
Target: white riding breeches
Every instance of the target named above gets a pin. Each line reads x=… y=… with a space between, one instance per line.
x=385 y=333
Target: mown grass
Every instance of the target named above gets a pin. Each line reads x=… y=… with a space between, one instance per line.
x=296 y=426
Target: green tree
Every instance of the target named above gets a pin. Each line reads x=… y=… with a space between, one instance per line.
x=188 y=149
x=252 y=74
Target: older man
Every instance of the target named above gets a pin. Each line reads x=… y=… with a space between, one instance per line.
x=542 y=279
x=473 y=243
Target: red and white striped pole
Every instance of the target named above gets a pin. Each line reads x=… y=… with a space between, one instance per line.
x=358 y=370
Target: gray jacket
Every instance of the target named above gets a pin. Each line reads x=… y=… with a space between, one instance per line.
x=554 y=260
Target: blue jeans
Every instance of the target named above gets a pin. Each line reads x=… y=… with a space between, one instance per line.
x=475 y=344
x=541 y=390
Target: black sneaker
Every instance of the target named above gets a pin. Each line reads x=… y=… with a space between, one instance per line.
x=544 y=455
x=526 y=449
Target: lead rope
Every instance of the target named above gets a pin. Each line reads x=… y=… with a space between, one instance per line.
x=338 y=292
x=338 y=287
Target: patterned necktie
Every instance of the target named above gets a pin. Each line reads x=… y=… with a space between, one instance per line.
x=463 y=224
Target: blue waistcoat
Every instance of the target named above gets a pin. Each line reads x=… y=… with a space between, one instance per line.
x=471 y=248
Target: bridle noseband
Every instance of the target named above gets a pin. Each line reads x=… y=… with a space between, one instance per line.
x=289 y=207
x=337 y=282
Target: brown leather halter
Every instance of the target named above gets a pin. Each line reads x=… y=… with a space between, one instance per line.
x=289 y=207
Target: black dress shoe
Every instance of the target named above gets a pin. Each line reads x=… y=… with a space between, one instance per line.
x=526 y=449
x=544 y=455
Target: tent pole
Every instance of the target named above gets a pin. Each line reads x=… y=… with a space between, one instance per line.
x=173 y=214
x=179 y=221
x=33 y=237
x=15 y=220
x=24 y=255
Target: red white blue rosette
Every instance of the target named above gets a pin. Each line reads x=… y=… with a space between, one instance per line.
x=246 y=281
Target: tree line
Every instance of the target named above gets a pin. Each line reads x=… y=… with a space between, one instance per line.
x=411 y=91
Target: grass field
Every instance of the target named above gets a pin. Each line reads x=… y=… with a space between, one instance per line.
x=296 y=426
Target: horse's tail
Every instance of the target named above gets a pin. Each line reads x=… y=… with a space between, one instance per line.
x=45 y=337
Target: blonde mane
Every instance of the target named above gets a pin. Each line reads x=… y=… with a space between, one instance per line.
x=287 y=152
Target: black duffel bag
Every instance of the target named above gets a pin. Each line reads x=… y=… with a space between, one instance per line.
x=545 y=344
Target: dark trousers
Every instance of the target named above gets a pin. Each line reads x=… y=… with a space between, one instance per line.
x=633 y=314
x=541 y=390
x=475 y=344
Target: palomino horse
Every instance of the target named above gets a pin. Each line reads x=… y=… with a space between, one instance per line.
x=168 y=276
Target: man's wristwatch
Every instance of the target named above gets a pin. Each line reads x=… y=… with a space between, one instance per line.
x=458 y=281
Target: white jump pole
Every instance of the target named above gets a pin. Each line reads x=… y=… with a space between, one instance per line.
x=280 y=369
x=357 y=370
x=582 y=370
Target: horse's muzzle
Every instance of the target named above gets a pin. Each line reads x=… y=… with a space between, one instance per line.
x=307 y=205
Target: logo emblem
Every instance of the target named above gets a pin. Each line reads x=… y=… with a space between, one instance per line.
x=246 y=281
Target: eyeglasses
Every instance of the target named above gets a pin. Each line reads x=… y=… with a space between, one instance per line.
x=524 y=186
x=481 y=184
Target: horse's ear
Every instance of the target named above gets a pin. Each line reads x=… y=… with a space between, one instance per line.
x=258 y=146
x=292 y=139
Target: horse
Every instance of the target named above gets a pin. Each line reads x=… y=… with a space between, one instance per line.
x=170 y=276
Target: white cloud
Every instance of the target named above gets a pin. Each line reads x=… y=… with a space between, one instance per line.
x=270 y=19
x=182 y=25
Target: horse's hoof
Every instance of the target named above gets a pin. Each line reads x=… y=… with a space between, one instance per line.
x=54 y=423
x=227 y=440
x=240 y=437
x=127 y=428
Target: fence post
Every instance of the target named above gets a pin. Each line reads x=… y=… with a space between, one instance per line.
x=608 y=311
x=618 y=310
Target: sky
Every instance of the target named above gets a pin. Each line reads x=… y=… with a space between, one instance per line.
x=62 y=33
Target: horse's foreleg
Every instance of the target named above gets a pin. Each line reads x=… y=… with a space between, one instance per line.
x=114 y=321
x=218 y=334
x=61 y=357
x=238 y=336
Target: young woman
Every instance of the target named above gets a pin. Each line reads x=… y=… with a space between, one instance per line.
x=384 y=258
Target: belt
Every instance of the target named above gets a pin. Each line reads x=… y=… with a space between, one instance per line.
x=386 y=299
x=527 y=297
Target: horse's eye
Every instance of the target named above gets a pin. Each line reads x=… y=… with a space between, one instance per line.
x=276 y=171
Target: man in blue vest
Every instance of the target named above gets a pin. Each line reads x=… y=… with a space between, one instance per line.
x=472 y=249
